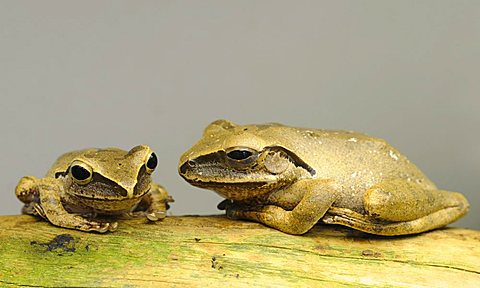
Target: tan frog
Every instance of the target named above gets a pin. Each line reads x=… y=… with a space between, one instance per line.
x=84 y=183
x=290 y=178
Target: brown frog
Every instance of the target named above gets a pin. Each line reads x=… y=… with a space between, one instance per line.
x=84 y=183
x=291 y=178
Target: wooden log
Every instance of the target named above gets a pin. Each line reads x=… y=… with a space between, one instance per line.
x=204 y=251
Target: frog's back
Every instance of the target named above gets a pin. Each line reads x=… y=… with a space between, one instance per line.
x=353 y=159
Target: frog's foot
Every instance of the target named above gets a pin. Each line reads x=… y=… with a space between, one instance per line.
x=85 y=222
x=399 y=207
x=100 y=227
x=155 y=216
x=154 y=204
x=150 y=215
x=73 y=221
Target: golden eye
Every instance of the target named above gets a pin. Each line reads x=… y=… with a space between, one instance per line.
x=151 y=163
x=81 y=172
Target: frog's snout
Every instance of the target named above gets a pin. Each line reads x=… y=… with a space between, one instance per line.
x=185 y=167
x=129 y=188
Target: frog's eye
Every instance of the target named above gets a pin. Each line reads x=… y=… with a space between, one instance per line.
x=241 y=157
x=239 y=154
x=81 y=172
x=151 y=163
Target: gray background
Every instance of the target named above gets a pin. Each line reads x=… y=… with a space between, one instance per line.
x=114 y=73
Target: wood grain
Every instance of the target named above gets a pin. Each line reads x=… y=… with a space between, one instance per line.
x=213 y=251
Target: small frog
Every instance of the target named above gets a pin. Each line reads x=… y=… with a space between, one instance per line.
x=291 y=178
x=84 y=183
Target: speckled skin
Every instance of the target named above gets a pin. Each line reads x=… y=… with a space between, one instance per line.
x=120 y=184
x=296 y=177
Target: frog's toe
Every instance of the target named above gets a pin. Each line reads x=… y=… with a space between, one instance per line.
x=102 y=227
x=38 y=210
x=113 y=226
x=105 y=227
x=156 y=215
x=150 y=215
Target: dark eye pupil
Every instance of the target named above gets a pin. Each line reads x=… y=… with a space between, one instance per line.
x=239 y=154
x=152 y=161
x=80 y=173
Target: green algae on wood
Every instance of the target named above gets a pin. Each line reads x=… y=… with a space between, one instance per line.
x=213 y=250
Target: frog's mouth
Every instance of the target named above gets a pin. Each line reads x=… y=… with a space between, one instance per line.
x=205 y=173
x=110 y=199
x=213 y=185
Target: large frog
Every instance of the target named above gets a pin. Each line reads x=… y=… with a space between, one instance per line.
x=84 y=183
x=291 y=178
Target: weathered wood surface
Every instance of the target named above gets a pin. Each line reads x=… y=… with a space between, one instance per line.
x=213 y=251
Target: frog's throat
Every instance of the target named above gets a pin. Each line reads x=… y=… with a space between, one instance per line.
x=237 y=191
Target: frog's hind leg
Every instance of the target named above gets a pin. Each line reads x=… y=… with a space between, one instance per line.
x=154 y=204
x=399 y=207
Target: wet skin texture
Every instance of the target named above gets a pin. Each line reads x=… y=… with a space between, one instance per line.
x=82 y=184
x=291 y=178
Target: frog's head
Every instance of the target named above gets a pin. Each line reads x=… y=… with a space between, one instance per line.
x=241 y=161
x=110 y=174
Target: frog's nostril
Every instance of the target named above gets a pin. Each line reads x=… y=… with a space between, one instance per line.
x=183 y=168
x=187 y=165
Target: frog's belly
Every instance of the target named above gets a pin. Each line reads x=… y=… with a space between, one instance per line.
x=352 y=200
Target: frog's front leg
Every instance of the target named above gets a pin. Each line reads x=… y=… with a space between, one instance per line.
x=154 y=204
x=399 y=207
x=43 y=196
x=318 y=196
